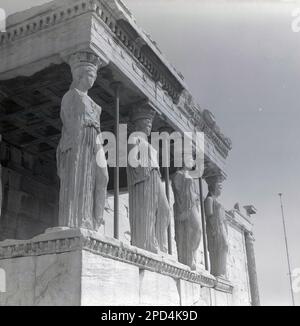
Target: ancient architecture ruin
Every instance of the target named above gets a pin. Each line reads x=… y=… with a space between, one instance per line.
x=74 y=233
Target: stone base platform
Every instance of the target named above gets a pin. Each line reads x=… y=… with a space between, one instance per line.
x=76 y=267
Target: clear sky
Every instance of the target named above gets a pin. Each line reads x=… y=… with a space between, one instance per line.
x=241 y=60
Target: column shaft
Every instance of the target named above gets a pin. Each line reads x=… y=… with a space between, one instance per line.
x=252 y=269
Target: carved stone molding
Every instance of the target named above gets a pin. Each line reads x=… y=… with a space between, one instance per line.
x=60 y=240
x=223 y=285
x=123 y=34
x=68 y=10
x=205 y=121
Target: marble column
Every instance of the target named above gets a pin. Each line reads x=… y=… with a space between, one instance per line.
x=216 y=227
x=188 y=231
x=249 y=239
x=81 y=162
x=149 y=209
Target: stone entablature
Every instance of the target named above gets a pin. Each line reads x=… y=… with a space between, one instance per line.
x=103 y=32
x=239 y=220
x=62 y=240
x=110 y=14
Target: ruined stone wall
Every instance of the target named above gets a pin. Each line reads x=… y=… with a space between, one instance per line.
x=237 y=266
x=30 y=195
x=77 y=267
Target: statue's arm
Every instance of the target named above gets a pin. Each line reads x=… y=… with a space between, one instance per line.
x=208 y=206
x=177 y=181
x=71 y=107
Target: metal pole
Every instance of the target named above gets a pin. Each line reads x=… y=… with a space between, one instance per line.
x=167 y=180
x=205 y=247
x=287 y=249
x=117 y=168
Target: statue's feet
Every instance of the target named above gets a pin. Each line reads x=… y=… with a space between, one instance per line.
x=193 y=267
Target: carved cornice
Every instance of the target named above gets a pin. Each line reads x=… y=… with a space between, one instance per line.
x=69 y=240
x=223 y=285
x=136 y=43
x=243 y=224
x=69 y=10
x=205 y=121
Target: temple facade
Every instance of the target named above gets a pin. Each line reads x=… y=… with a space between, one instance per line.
x=77 y=231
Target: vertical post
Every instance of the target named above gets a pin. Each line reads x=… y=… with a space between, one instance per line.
x=205 y=247
x=167 y=180
x=287 y=249
x=116 y=87
x=249 y=240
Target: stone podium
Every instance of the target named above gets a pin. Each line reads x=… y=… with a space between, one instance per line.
x=77 y=267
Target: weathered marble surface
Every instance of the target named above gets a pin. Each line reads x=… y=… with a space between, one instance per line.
x=237 y=267
x=31 y=195
x=107 y=282
x=124 y=227
x=161 y=289
x=79 y=267
x=20 y=281
x=48 y=280
x=220 y=299
x=192 y=294
x=57 y=279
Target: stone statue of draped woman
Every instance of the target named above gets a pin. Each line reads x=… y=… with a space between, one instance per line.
x=187 y=217
x=217 y=231
x=83 y=183
x=149 y=209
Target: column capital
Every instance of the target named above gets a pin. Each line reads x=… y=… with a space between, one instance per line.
x=213 y=174
x=249 y=236
x=86 y=56
x=142 y=110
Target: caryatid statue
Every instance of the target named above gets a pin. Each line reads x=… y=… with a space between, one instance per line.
x=81 y=161
x=187 y=214
x=149 y=209
x=216 y=228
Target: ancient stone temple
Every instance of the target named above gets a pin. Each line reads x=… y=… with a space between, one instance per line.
x=75 y=230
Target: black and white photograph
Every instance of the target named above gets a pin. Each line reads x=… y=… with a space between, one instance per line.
x=149 y=155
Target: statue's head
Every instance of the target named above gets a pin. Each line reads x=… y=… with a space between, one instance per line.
x=142 y=119
x=84 y=78
x=84 y=70
x=215 y=185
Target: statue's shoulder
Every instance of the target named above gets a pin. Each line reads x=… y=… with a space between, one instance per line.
x=95 y=105
x=72 y=95
x=209 y=200
x=178 y=175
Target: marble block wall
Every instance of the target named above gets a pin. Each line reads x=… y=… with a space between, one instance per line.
x=30 y=195
x=65 y=268
x=237 y=266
